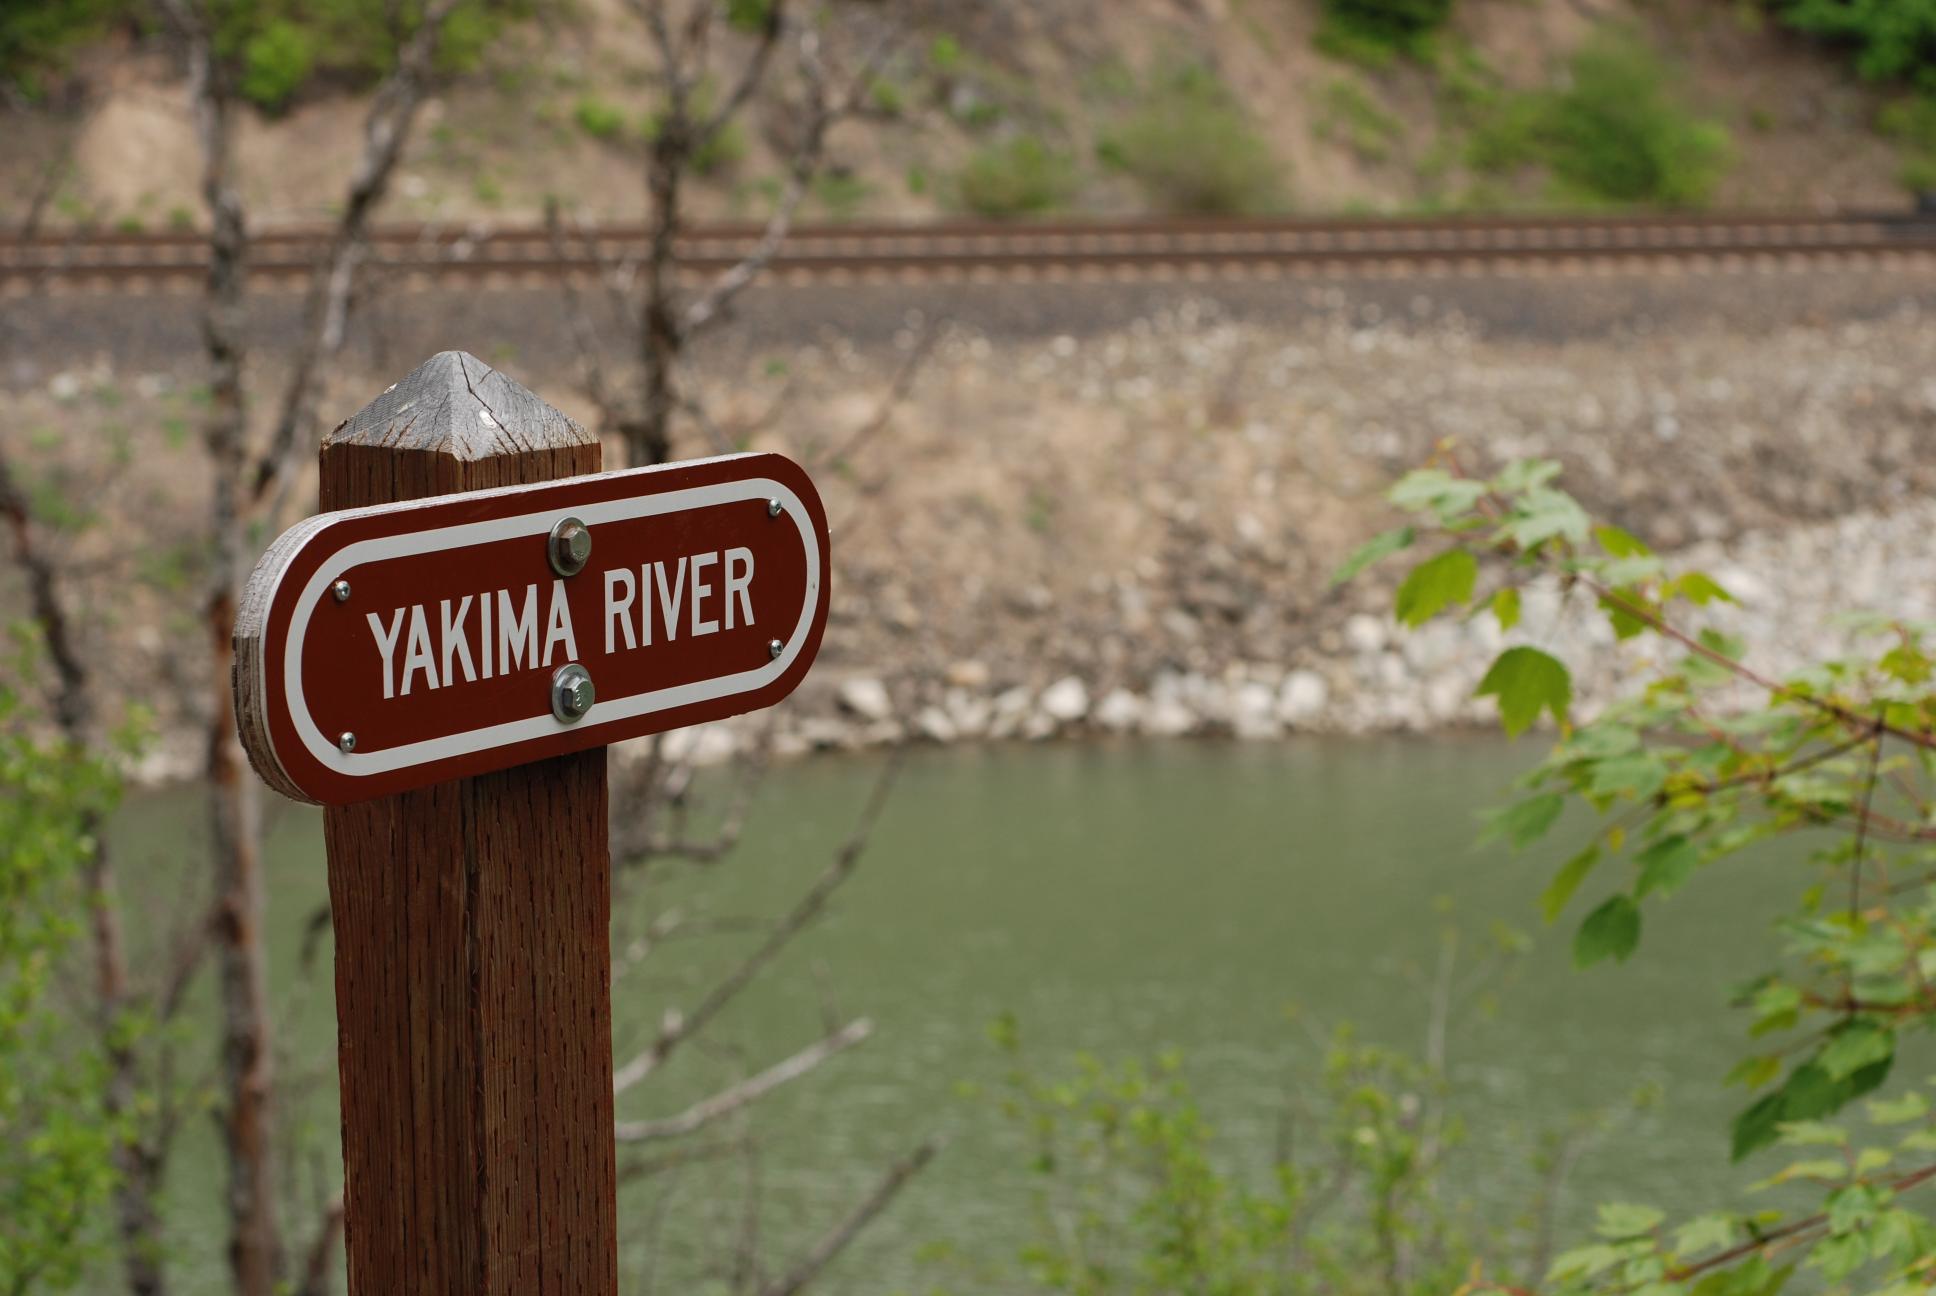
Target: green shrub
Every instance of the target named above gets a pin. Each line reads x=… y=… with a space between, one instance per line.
x=1911 y=122
x=597 y=118
x=275 y=63
x=1020 y=177
x=35 y=37
x=1373 y=30
x=1890 y=39
x=1811 y=787
x=57 y=1139
x=1617 y=133
x=281 y=47
x=1191 y=149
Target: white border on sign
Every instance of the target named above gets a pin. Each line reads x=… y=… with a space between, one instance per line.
x=539 y=524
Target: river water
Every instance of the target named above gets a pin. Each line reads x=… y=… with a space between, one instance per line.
x=1121 y=900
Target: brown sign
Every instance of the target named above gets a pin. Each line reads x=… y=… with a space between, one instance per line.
x=381 y=649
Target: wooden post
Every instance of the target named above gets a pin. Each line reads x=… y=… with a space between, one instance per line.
x=473 y=933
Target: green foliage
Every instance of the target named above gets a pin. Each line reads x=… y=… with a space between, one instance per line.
x=598 y=118
x=1020 y=177
x=1911 y=122
x=1891 y=40
x=1371 y=31
x=1191 y=149
x=281 y=49
x=1841 y=755
x=35 y=37
x=57 y=1141
x=276 y=60
x=1135 y=1195
x=1617 y=132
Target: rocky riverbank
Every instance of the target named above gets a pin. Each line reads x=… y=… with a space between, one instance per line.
x=1791 y=588
x=1131 y=531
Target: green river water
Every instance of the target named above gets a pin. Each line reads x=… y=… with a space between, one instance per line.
x=1116 y=899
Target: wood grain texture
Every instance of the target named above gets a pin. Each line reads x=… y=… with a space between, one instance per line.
x=473 y=932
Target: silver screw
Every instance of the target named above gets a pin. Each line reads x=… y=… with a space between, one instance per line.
x=347 y=743
x=572 y=693
x=341 y=589
x=773 y=508
x=774 y=647
x=570 y=547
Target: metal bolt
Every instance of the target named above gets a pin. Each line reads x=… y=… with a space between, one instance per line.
x=572 y=693
x=774 y=647
x=347 y=743
x=341 y=589
x=570 y=547
x=773 y=508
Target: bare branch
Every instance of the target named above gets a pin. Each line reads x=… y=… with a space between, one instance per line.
x=679 y=1028
x=748 y=1091
x=750 y=76
x=823 y=111
x=386 y=127
x=836 y=1241
x=321 y=1263
x=73 y=702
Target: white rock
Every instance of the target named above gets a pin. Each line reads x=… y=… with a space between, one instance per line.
x=866 y=697
x=1118 y=711
x=1010 y=709
x=822 y=733
x=1253 y=711
x=1166 y=718
x=1303 y=697
x=1066 y=700
x=932 y=723
x=968 y=713
x=1365 y=633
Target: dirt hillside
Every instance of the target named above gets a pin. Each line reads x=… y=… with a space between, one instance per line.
x=558 y=108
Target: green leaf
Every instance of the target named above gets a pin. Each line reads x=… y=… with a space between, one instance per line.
x=1437 y=491
x=1625 y=624
x=1527 y=681
x=1611 y=931
x=1665 y=865
x=1526 y=821
x=1624 y=1220
x=1524 y=474
x=1698 y=588
x=1619 y=543
x=1584 y=1262
x=1567 y=881
x=1853 y=1047
x=1638 y=774
x=1544 y=515
x=1813 y=1133
x=1436 y=584
x=1899 y=1111
x=1757 y=1126
x=1704 y=1233
x=1505 y=606
x=1379 y=547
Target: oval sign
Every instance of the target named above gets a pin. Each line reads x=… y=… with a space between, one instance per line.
x=382 y=649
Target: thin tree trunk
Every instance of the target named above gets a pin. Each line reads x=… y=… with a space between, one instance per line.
x=255 y=1244
x=649 y=439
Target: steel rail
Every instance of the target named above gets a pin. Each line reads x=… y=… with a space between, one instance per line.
x=964 y=249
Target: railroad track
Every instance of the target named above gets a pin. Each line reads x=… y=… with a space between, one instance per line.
x=1252 y=248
